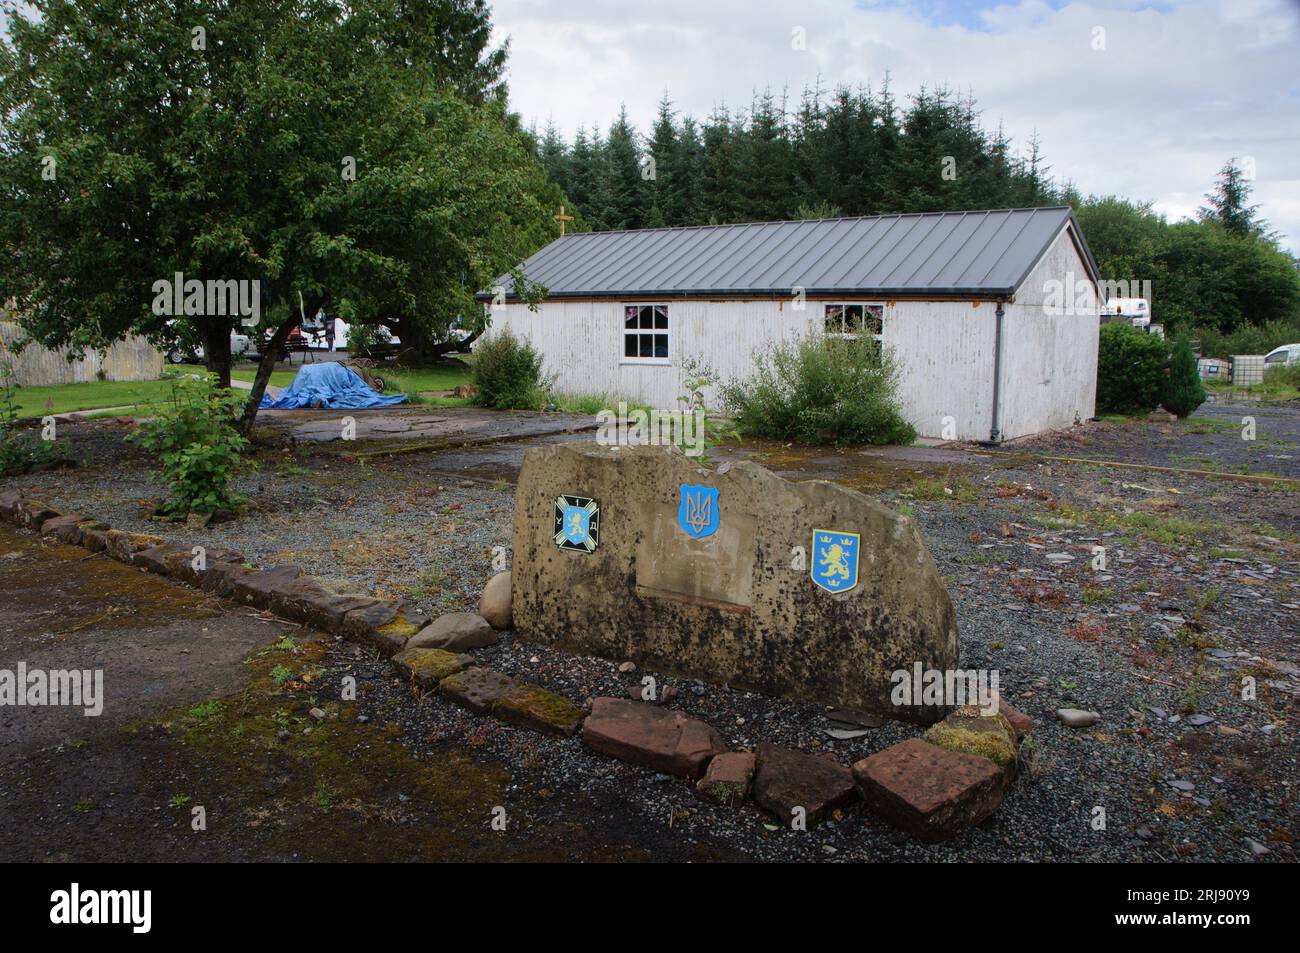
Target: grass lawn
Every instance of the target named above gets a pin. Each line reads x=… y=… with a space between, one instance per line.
x=413 y=380
x=278 y=378
x=31 y=401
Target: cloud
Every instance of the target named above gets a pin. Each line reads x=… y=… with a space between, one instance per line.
x=1145 y=100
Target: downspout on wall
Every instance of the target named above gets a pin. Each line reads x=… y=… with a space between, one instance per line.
x=995 y=432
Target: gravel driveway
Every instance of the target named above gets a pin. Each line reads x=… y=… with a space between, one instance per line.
x=1201 y=590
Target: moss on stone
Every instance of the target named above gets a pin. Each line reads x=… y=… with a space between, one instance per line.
x=400 y=627
x=988 y=737
x=535 y=707
x=726 y=793
x=428 y=667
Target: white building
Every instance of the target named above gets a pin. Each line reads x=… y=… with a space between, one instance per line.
x=992 y=316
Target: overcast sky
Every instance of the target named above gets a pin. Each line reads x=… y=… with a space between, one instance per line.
x=1144 y=100
x=1172 y=92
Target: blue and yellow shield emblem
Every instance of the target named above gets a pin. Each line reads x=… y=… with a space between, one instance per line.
x=835 y=560
x=577 y=523
x=698 y=513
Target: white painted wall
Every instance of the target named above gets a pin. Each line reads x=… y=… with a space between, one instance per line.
x=944 y=349
x=1049 y=377
x=582 y=342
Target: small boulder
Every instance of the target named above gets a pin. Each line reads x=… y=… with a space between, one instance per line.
x=72 y=533
x=786 y=779
x=643 y=734
x=1021 y=722
x=308 y=601
x=1077 y=717
x=64 y=528
x=428 y=667
x=123 y=546
x=259 y=587
x=969 y=731
x=9 y=503
x=155 y=558
x=94 y=535
x=476 y=688
x=728 y=778
x=494 y=604
x=33 y=513
x=220 y=577
x=930 y=792
x=386 y=626
x=535 y=708
x=455 y=632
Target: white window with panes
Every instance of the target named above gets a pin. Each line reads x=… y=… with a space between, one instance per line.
x=645 y=333
x=853 y=320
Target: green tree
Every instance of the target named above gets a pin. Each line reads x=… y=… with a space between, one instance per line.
x=1228 y=205
x=325 y=151
x=626 y=193
x=1184 y=391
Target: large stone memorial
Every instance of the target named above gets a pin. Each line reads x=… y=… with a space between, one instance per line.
x=807 y=590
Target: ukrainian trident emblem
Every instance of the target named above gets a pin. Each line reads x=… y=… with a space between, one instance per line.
x=577 y=523
x=835 y=560
x=698 y=513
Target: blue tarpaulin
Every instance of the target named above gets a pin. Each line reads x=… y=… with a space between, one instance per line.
x=329 y=385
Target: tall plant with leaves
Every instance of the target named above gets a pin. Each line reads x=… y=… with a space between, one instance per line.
x=193 y=431
x=20 y=450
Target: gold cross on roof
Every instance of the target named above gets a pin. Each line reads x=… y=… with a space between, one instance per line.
x=562 y=218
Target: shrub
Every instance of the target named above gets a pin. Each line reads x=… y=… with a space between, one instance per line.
x=821 y=389
x=1285 y=377
x=508 y=374
x=19 y=450
x=1184 y=391
x=194 y=433
x=1131 y=368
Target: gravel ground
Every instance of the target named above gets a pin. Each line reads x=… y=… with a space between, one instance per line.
x=1201 y=588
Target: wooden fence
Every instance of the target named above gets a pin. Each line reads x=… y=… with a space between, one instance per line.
x=132 y=359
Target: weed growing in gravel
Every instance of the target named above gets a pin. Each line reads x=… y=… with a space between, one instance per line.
x=1092 y=595
x=1192 y=637
x=431 y=583
x=326 y=795
x=205 y=711
x=927 y=488
x=1203 y=602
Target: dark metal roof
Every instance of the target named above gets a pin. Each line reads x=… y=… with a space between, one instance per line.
x=959 y=254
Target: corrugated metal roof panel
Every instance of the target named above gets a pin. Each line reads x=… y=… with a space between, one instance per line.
x=930 y=253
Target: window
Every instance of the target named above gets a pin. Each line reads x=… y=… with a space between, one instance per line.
x=645 y=332
x=855 y=319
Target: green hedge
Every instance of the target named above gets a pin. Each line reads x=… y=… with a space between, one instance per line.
x=1131 y=369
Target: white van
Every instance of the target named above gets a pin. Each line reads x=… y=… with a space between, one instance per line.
x=1279 y=356
x=1138 y=310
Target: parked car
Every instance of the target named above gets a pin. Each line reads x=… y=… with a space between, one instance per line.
x=191 y=352
x=1279 y=356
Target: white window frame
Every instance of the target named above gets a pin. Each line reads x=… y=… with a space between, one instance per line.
x=626 y=332
x=826 y=305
